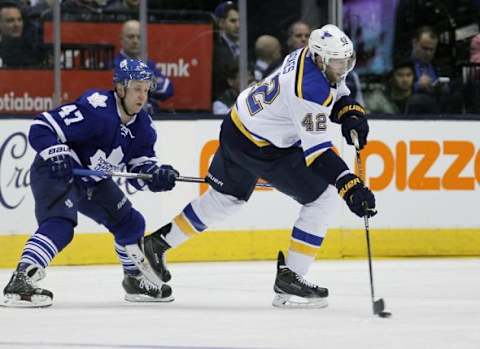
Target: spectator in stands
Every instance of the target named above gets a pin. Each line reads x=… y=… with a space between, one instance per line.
x=16 y=48
x=222 y=104
x=475 y=49
x=122 y=6
x=399 y=96
x=269 y=56
x=393 y=100
x=298 y=34
x=424 y=46
x=130 y=41
x=427 y=79
x=227 y=46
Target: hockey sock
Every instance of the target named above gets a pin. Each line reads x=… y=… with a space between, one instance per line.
x=127 y=264
x=50 y=238
x=302 y=251
x=39 y=250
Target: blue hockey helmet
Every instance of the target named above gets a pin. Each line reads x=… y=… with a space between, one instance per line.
x=133 y=69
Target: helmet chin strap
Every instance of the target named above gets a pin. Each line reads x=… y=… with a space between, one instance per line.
x=122 y=102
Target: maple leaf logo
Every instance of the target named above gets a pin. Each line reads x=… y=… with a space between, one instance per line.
x=97 y=100
x=100 y=162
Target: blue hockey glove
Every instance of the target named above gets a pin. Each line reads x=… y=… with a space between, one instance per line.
x=58 y=161
x=359 y=198
x=163 y=178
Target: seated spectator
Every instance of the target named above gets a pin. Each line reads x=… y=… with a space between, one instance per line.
x=226 y=45
x=424 y=46
x=17 y=49
x=122 y=6
x=269 y=56
x=130 y=41
x=298 y=34
x=223 y=103
x=399 y=97
x=475 y=49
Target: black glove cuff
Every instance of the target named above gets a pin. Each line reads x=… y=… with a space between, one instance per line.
x=346 y=183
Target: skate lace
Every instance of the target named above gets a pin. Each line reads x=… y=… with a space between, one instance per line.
x=305 y=282
x=24 y=277
x=147 y=284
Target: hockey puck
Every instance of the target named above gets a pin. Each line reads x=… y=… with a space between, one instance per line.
x=384 y=314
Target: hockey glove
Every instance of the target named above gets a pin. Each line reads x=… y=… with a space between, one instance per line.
x=352 y=116
x=163 y=178
x=359 y=198
x=58 y=161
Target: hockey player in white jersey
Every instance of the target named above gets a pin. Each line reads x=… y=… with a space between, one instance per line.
x=280 y=130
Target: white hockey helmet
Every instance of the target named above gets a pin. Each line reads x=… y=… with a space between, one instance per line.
x=333 y=46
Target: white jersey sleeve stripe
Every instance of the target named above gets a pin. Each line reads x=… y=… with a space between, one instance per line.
x=42 y=123
x=56 y=127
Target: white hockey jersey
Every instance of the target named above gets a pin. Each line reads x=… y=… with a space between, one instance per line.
x=290 y=107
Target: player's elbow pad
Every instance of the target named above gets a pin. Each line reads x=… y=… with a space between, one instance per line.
x=330 y=166
x=40 y=137
x=345 y=108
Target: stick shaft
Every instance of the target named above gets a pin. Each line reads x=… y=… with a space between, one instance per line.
x=354 y=136
x=96 y=173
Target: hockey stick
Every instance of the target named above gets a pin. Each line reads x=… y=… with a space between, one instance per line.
x=379 y=304
x=86 y=172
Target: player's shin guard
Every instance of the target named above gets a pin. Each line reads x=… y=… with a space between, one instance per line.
x=22 y=291
x=212 y=207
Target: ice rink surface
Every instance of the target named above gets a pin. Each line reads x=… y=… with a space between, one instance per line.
x=435 y=304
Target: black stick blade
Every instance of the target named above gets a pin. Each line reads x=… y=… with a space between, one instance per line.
x=378 y=306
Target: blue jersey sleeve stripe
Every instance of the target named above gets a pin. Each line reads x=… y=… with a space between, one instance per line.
x=317 y=147
x=299 y=74
x=193 y=218
x=311 y=239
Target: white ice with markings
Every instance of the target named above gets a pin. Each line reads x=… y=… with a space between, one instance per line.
x=435 y=304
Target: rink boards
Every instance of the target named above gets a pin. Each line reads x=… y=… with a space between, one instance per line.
x=426 y=176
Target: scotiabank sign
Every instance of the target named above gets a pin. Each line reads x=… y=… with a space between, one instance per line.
x=183 y=52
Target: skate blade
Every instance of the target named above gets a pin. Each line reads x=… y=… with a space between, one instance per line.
x=14 y=301
x=290 y=301
x=140 y=298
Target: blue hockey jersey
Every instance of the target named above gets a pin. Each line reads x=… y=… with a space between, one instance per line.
x=92 y=128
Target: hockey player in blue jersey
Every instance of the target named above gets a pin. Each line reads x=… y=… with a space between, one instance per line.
x=101 y=130
x=280 y=130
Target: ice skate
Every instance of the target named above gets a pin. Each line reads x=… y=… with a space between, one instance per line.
x=140 y=289
x=155 y=248
x=293 y=291
x=22 y=291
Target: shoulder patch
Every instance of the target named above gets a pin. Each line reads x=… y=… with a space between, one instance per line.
x=97 y=100
x=310 y=83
